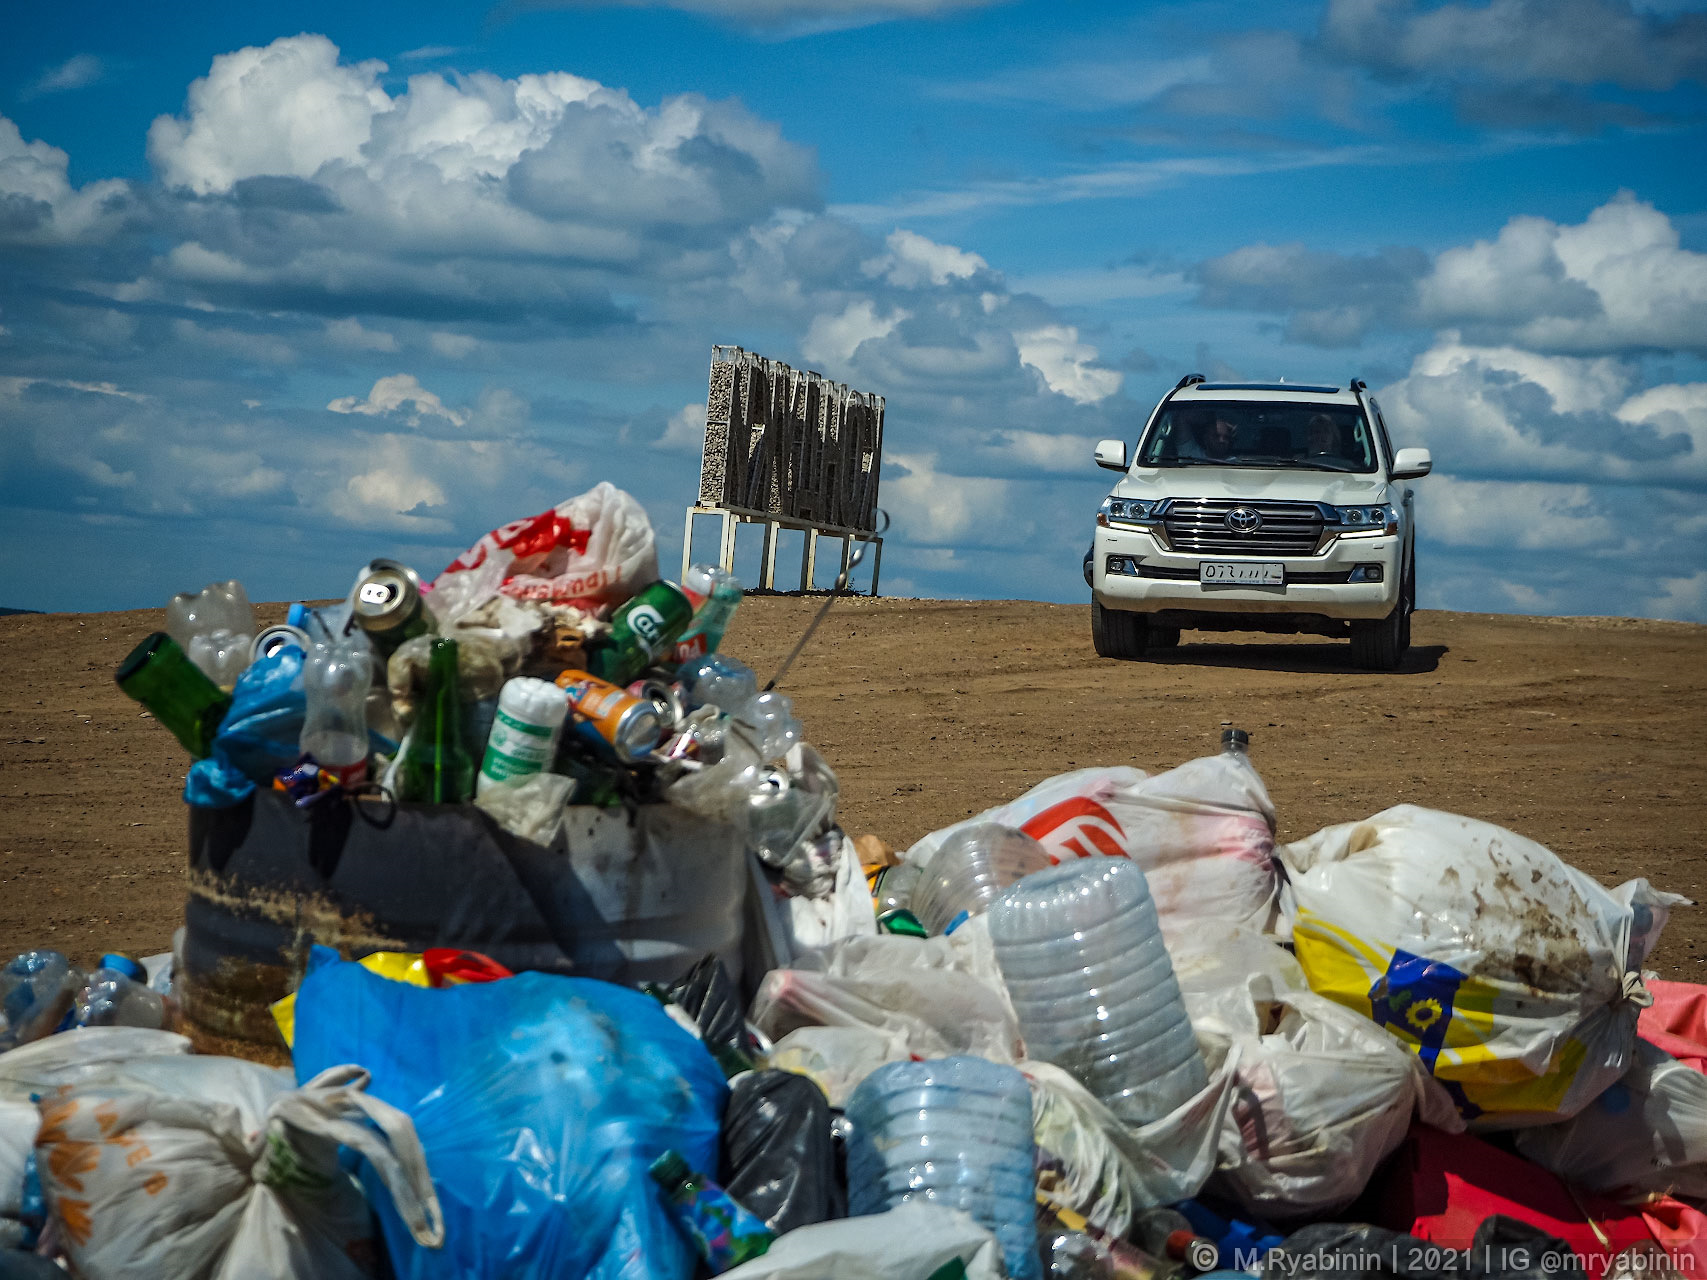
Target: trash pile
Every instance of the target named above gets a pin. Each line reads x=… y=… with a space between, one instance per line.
x=1105 y=1030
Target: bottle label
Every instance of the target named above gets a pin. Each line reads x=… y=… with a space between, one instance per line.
x=515 y=748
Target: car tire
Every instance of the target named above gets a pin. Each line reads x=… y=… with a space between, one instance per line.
x=1117 y=633
x=1163 y=637
x=1381 y=646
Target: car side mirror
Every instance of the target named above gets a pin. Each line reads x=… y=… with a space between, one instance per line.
x=1111 y=454
x=1408 y=464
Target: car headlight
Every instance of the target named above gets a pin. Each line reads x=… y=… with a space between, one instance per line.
x=1383 y=516
x=1127 y=511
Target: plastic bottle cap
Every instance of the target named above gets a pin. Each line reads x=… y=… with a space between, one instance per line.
x=125 y=965
x=1235 y=738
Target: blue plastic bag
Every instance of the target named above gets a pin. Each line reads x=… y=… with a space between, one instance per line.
x=540 y=1102
x=259 y=735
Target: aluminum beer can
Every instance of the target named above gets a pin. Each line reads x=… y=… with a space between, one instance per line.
x=273 y=639
x=387 y=604
x=610 y=717
x=666 y=697
x=642 y=631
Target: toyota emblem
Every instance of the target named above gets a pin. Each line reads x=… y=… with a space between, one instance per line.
x=1243 y=520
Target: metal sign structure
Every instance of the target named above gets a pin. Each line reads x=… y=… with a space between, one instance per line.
x=788 y=449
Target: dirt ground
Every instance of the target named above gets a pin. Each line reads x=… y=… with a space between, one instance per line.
x=1585 y=734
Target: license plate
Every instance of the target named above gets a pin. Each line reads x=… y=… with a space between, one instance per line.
x=1222 y=573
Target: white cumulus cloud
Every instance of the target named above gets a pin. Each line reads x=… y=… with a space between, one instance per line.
x=1067 y=364
x=391 y=394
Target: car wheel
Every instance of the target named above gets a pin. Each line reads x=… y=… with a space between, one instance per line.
x=1117 y=633
x=1163 y=637
x=1381 y=646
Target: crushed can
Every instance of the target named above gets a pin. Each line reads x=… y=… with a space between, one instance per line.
x=386 y=603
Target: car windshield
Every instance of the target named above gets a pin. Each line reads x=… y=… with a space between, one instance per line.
x=1245 y=433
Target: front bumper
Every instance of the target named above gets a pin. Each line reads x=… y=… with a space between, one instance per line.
x=1318 y=585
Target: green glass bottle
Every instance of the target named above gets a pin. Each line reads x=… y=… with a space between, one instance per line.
x=160 y=675
x=437 y=767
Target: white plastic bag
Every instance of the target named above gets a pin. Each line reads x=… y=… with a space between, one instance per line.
x=1203 y=833
x=912 y=1241
x=1513 y=977
x=206 y=1168
x=927 y=997
x=815 y=923
x=592 y=550
x=1646 y=1133
x=1092 y=1163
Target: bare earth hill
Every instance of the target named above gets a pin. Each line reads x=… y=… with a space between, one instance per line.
x=1585 y=734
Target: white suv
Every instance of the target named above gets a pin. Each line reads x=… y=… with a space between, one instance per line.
x=1258 y=507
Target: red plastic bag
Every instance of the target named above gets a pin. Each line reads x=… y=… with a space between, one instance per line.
x=594 y=550
x=1677 y=1021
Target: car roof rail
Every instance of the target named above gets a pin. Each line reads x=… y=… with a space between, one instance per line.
x=1358 y=384
x=1190 y=379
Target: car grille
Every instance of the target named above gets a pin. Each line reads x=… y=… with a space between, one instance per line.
x=1200 y=525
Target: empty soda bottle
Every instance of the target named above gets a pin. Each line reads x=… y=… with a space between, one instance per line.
x=725 y=1233
x=216 y=627
x=716 y=594
x=717 y=680
x=117 y=995
x=160 y=675
x=36 y=990
x=436 y=767
x=336 y=679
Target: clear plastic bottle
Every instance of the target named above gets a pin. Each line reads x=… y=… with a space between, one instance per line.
x=336 y=678
x=957 y=1132
x=524 y=733
x=718 y=681
x=969 y=870
x=216 y=627
x=117 y=995
x=36 y=990
x=1081 y=953
x=718 y=594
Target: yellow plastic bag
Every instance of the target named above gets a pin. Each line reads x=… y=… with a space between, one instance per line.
x=399 y=966
x=1513 y=977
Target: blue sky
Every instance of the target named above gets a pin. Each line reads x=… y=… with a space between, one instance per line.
x=282 y=289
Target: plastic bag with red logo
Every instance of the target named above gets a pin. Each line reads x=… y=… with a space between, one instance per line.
x=591 y=551
x=1203 y=833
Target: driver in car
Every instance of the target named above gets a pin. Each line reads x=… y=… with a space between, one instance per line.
x=1326 y=439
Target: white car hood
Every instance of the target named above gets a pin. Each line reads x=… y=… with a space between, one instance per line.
x=1251 y=482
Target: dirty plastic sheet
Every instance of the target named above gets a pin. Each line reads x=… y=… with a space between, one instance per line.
x=1203 y=834
x=1513 y=977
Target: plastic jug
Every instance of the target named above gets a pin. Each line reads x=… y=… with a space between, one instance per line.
x=955 y=1131
x=1082 y=956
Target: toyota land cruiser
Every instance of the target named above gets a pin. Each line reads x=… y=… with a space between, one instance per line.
x=1258 y=507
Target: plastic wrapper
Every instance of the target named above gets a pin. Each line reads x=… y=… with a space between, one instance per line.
x=1513 y=977
x=1203 y=834
x=779 y=1158
x=590 y=551
x=914 y=1241
x=1645 y=1133
x=929 y=998
x=259 y=736
x=479 y=671
x=219 y=1168
x=531 y=808
x=540 y=1102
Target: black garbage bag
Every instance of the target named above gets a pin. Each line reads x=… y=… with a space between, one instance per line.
x=1503 y=1249
x=709 y=996
x=779 y=1156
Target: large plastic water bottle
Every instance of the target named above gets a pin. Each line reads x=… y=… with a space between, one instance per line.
x=1082 y=956
x=970 y=869
x=955 y=1131
x=336 y=679
x=36 y=989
